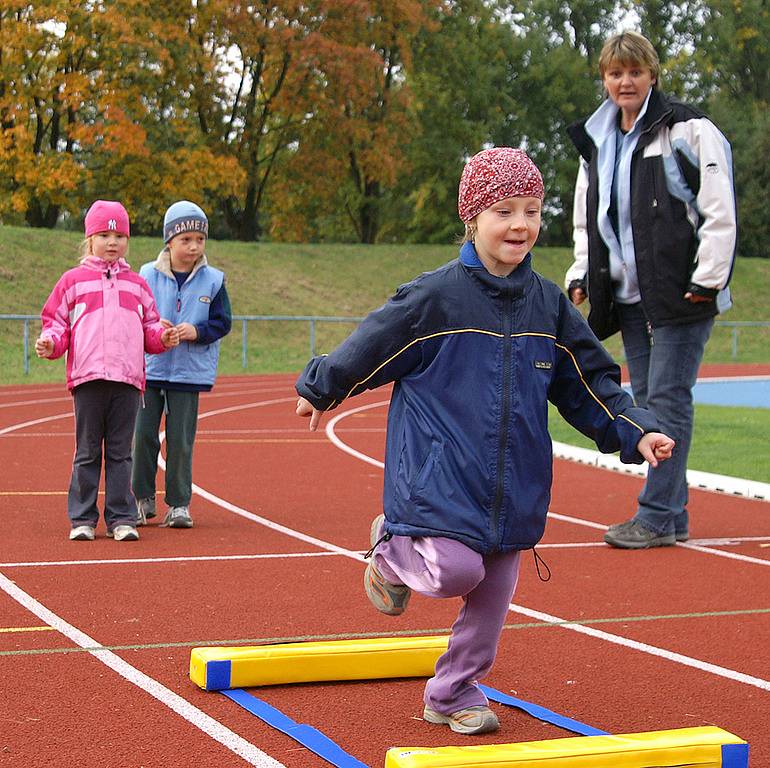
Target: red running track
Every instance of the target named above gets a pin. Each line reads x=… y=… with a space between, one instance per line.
x=674 y=637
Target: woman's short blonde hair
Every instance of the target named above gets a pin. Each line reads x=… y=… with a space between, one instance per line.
x=629 y=48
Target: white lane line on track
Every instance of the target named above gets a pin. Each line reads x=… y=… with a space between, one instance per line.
x=198 y=718
x=653 y=650
x=153 y=560
x=209 y=396
x=284 y=555
x=644 y=647
x=23 y=424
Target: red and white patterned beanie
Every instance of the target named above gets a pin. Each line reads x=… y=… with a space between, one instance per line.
x=496 y=174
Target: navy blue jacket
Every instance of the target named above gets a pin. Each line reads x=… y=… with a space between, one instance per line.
x=475 y=358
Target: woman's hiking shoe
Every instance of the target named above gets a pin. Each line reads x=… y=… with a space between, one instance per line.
x=145 y=510
x=82 y=533
x=468 y=721
x=387 y=598
x=633 y=535
x=124 y=533
x=178 y=517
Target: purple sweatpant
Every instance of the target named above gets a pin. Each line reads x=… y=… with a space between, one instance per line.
x=440 y=567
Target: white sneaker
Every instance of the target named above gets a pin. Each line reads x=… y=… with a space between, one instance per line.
x=124 y=533
x=178 y=517
x=82 y=533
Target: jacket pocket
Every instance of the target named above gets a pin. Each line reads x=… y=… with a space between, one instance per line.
x=424 y=485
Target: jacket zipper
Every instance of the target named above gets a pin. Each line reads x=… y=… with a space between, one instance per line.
x=504 y=416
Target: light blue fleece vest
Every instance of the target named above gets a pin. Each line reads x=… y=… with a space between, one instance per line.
x=190 y=362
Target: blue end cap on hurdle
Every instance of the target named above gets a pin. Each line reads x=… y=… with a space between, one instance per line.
x=735 y=756
x=218 y=675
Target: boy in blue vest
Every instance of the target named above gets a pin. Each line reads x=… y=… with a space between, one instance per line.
x=192 y=294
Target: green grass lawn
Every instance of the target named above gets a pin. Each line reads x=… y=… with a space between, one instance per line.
x=726 y=441
x=349 y=281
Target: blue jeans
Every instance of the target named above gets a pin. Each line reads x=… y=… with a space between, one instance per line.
x=663 y=365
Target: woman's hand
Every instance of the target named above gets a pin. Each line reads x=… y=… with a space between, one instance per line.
x=577 y=296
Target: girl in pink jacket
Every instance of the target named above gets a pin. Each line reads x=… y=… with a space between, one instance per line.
x=103 y=316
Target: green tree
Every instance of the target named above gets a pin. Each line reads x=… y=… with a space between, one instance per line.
x=458 y=79
x=555 y=82
x=733 y=52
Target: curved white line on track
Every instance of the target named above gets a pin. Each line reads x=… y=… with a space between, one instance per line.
x=23 y=424
x=617 y=639
x=203 y=493
x=214 y=729
x=708 y=481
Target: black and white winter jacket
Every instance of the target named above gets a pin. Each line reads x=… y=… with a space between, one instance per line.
x=679 y=227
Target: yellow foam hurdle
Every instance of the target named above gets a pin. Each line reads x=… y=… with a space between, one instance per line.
x=215 y=669
x=706 y=747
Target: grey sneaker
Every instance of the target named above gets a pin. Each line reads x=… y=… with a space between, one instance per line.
x=387 y=598
x=468 y=721
x=178 y=517
x=680 y=535
x=145 y=510
x=124 y=533
x=82 y=533
x=633 y=535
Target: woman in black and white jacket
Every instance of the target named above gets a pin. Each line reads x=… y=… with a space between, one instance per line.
x=655 y=235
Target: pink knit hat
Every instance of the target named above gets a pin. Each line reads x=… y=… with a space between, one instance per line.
x=496 y=174
x=107 y=216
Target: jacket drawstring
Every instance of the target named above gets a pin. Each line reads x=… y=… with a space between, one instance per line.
x=539 y=560
x=384 y=537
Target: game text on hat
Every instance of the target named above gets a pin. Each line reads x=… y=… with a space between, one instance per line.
x=184 y=216
x=496 y=174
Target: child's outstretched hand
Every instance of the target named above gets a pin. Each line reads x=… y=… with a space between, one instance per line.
x=170 y=337
x=305 y=408
x=655 y=447
x=44 y=347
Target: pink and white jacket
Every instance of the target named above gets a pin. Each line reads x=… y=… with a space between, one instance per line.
x=103 y=316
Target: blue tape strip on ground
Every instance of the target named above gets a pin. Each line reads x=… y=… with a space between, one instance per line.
x=541 y=713
x=309 y=737
x=735 y=756
x=218 y=674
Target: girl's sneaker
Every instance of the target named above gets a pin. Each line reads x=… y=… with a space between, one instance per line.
x=387 y=598
x=468 y=721
x=82 y=533
x=124 y=533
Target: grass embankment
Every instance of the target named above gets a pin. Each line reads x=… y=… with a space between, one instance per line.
x=349 y=281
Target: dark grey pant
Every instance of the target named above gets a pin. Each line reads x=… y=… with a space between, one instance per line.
x=105 y=412
x=181 y=410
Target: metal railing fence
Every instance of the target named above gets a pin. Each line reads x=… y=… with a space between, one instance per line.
x=313 y=320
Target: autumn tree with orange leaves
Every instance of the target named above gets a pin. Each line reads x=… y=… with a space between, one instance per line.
x=79 y=89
